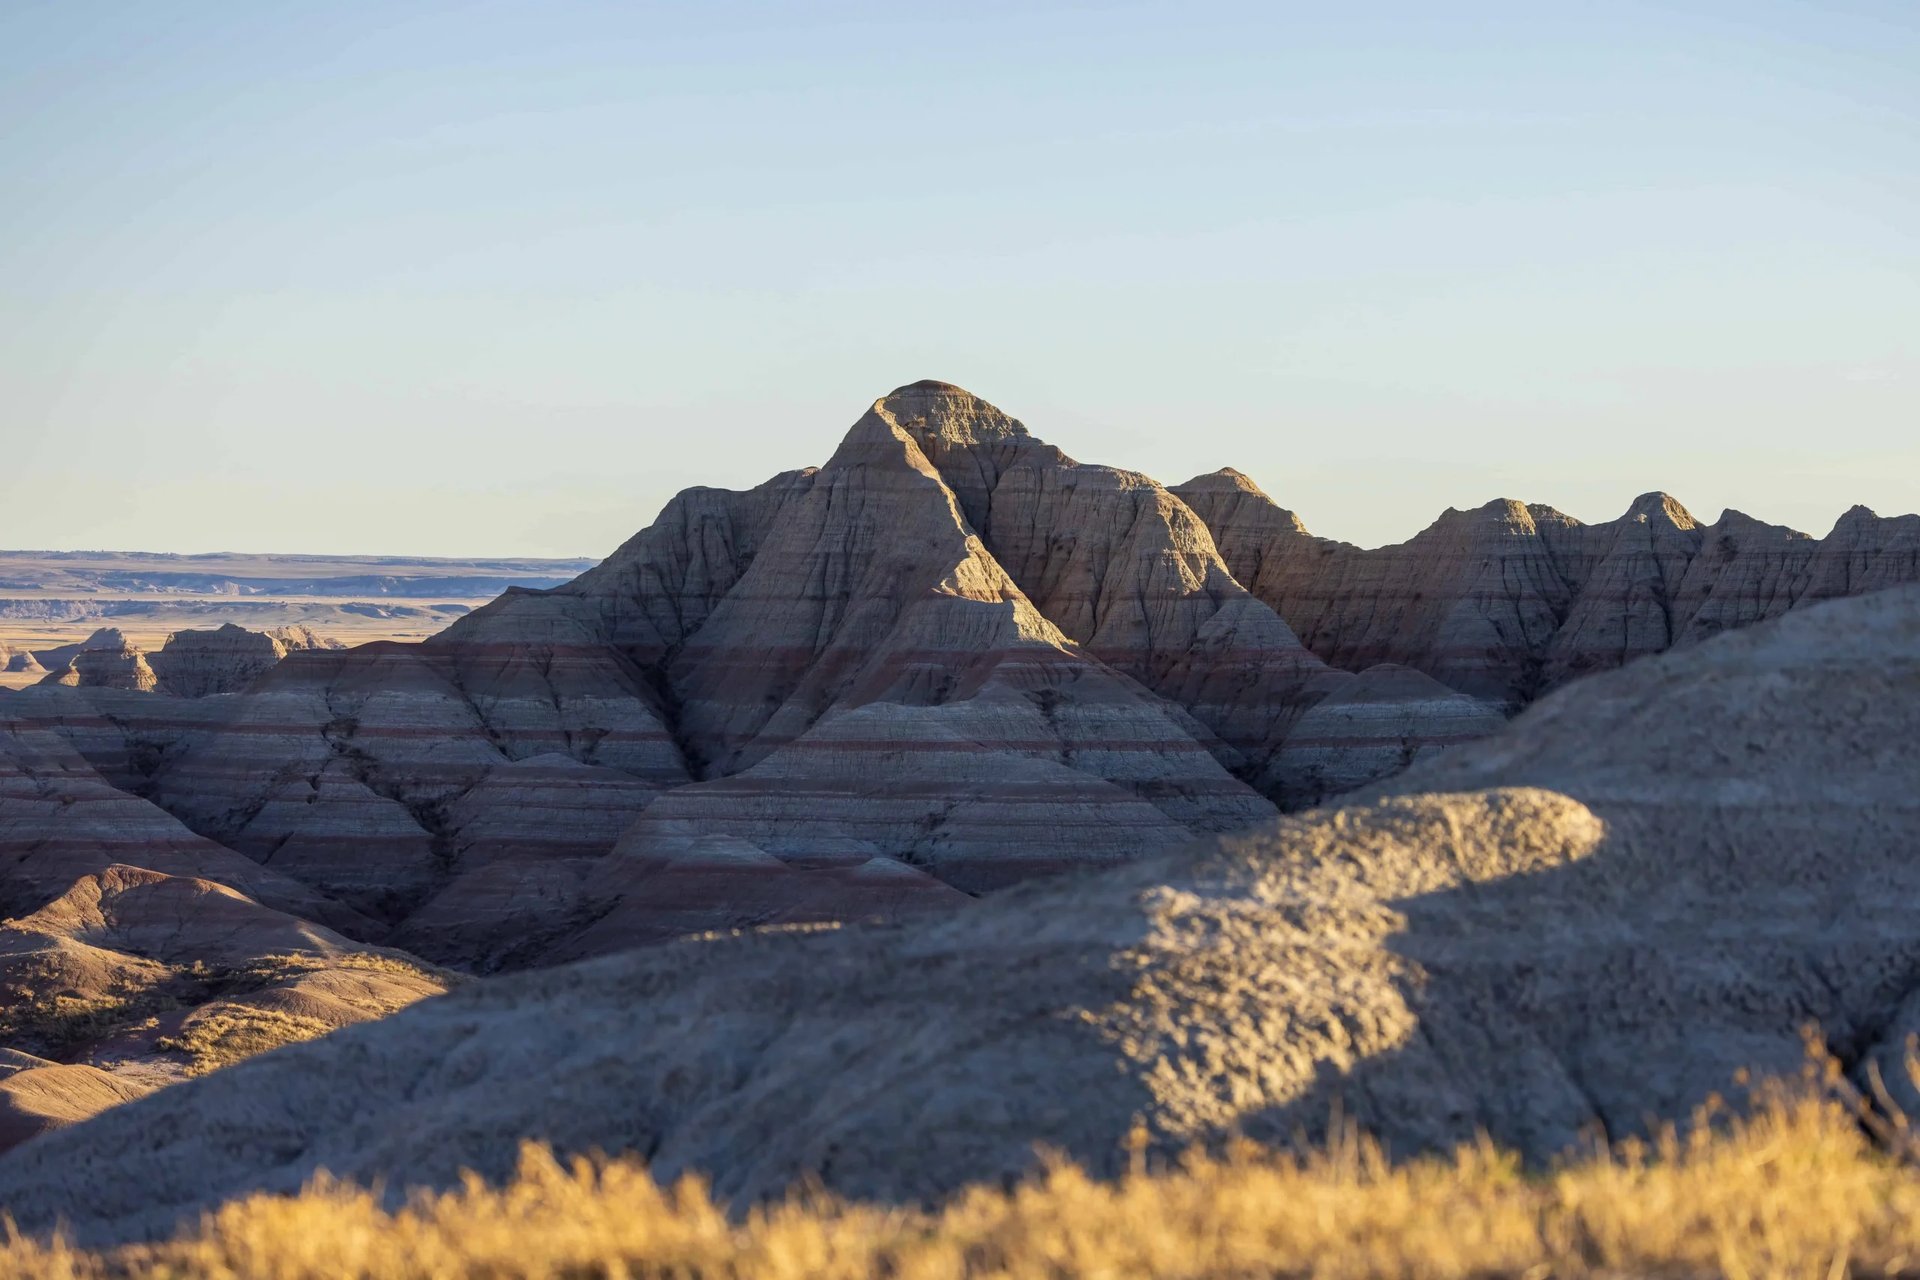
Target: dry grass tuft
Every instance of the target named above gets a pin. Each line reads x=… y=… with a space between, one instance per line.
x=235 y=1032
x=1796 y=1189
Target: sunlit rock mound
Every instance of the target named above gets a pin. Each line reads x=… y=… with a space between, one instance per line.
x=190 y=664
x=1651 y=880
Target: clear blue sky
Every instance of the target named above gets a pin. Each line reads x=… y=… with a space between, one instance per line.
x=498 y=278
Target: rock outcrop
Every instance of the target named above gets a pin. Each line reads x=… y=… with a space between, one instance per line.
x=132 y=979
x=194 y=664
x=951 y=653
x=37 y=1096
x=59 y=657
x=59 y=819
x=19 y=661
x=1650 y=881
x=1509 y=600
x=121 y=666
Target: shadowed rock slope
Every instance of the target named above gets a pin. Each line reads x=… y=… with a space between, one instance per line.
x=129 y=960
x=1649 y=881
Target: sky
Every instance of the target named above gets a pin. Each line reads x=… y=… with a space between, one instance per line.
x=500 y=278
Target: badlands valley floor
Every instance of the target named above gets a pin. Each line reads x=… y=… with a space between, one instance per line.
x=876 y=827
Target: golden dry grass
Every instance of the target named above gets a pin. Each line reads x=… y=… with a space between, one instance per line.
x=236 y=1032
x=1797 y=1189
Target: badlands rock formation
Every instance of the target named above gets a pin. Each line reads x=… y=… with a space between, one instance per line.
x=948 y=659
x=60 y=820
x=115 y=978
x=18 y=660
x=60 y=656
x=1509 y=600
x=120 y=667
x=191 y=664
x=1647 y=883
x=132 y=980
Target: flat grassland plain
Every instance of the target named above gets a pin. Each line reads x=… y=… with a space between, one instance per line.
x=53 y=598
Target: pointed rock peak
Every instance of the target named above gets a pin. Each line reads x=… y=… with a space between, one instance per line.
x=1225 y=480
x=1857 y=515
x=1732 y=521
x=1545 y=515
x=946 y=413
x=1505 y=515
x=1661 y=506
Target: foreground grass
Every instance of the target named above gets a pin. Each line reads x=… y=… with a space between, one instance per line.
x=1795 y=1190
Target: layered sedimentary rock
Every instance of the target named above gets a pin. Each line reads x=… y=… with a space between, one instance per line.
x=951 y=650
x=60 y=819
x=1592 y=920
x=58 y=657
x=120 y=667
x=337 y=769
x=1510 y=600
x=38 y=1095
x=193 y=664
x=1372 y=726
x=132 y=979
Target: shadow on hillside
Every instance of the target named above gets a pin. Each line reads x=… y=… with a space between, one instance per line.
x=1619 y=990
x=1609 y=996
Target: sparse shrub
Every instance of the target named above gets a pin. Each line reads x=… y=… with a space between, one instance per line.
x=235 y=1032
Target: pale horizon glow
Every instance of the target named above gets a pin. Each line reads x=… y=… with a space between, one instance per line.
x=497 y=279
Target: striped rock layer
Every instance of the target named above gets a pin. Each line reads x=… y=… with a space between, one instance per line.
x=1582 y=927
x=1511 y=600
x=947 y=660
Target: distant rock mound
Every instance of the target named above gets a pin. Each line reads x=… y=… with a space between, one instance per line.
x=121 y=666
x=191 y=664
x=60 y=657
x=194 y=664
x=1649 y=881
x=18 y=660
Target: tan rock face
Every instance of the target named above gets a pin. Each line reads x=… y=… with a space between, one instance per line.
x=133 y=979
x=951 y=649
x=1650 y=880
x=120 y=667
x=190 y=664
x=193 y=664
x=58 y=657
x=1509 y=601
x=38 y=1096
x=59 y=819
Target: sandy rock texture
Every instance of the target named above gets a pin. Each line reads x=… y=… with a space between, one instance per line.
x=194 y=664
x=1649 y=881
x=1510 y=600
x=119 y=666
x=948 y=659
x=190 y=664
x=132 y=979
